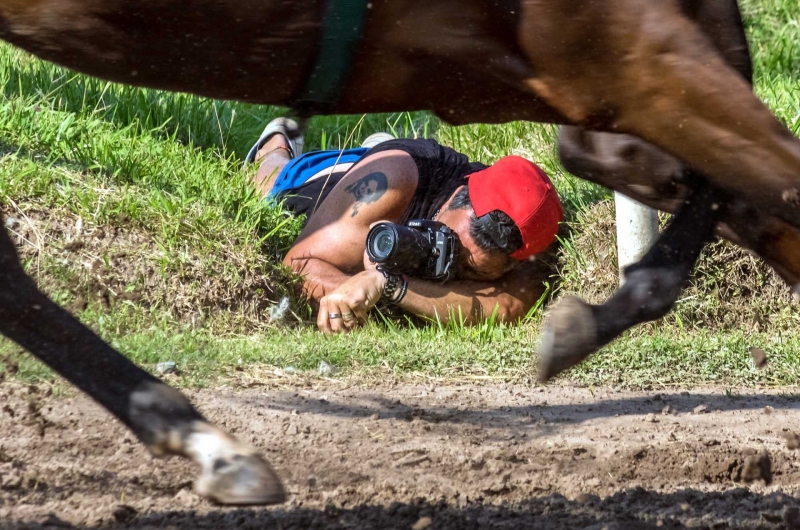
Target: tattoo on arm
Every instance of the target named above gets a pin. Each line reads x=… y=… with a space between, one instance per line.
x=367 y=189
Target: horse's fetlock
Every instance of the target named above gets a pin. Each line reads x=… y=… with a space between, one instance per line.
x=161 y=417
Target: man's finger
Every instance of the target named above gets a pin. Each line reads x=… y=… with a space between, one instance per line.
x=323 y=322
x=350 y=320
x=359 y=317
x=361 y=314
x=336 y=319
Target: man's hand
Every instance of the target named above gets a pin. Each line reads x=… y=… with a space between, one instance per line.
x=350 y=302
x=369 y=265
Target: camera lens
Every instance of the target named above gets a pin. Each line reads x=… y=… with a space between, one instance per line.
x=381 y=243
x=384 y=244
x=400 y=249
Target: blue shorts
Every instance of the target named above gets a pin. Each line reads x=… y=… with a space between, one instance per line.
x=300 y=169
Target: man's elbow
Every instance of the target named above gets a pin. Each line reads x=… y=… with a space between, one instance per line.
x=510 y=310
x=298 y=264
x=288 y=261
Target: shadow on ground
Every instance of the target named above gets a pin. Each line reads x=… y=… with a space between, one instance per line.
x=632 y=509
x=553 y=413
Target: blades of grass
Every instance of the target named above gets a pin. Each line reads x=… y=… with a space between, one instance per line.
x=534 y=311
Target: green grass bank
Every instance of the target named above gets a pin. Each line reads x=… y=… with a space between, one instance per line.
x=132 y=210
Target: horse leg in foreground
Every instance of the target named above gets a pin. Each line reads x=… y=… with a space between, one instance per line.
x=638 y=169
x=662 y=80
x=575 y=329
x=160 y=416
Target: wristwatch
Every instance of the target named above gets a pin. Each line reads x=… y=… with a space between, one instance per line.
x=395 y=288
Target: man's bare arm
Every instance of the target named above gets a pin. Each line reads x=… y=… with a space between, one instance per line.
x=514 y=295
x=331 y=247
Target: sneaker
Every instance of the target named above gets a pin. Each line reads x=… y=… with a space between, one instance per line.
x=285 y=126
x=377 y=138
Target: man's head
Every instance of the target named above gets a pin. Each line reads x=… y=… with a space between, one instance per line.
x=506 y=213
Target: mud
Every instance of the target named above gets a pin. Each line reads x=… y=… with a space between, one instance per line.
x=421 y=456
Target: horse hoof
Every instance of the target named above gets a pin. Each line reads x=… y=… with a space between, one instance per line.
x=241 y=480
x=568 y=339
x=232 y=472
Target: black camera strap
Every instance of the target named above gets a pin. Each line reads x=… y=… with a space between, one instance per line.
x=488 y=223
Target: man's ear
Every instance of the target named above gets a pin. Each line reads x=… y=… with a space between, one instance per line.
x=448 y=202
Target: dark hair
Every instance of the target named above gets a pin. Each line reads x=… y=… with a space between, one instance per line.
x=505 y=226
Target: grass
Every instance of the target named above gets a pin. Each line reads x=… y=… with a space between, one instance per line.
x=166 y=168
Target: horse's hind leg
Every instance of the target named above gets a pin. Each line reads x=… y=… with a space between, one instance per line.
x=662 y=80
x=634 y=167
x=576 y=329
x=160 y=416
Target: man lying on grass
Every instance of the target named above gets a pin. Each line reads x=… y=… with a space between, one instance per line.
x=503 y=215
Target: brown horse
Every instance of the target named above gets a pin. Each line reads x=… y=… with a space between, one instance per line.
x=667 y=72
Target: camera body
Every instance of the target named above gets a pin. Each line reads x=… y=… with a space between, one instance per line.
x=422 y=249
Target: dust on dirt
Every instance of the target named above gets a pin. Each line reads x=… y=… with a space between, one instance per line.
x=420 y=456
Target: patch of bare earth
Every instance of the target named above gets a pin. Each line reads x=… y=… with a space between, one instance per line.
x=418 y=456
x=108 y=265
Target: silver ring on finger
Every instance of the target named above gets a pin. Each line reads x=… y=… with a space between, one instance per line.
x=334 y=315
x=348 y=317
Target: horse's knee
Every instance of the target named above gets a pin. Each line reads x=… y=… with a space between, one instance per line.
x=575 y=150
x=623 y=163
x=651 y=292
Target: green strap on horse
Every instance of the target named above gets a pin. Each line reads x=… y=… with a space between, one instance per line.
x=341 y=31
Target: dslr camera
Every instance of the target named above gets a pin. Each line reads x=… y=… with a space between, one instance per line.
x=421 y=249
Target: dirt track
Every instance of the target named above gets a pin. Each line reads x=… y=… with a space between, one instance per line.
x=465 y=457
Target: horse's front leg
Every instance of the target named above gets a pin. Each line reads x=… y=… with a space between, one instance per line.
x=160 y=416
x=575 y=329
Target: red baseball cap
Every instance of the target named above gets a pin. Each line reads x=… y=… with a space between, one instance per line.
x=520 y=189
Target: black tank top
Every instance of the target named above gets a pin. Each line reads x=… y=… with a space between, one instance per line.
x=441 y=171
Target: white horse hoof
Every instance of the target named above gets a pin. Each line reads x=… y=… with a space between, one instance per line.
x=232 y=472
